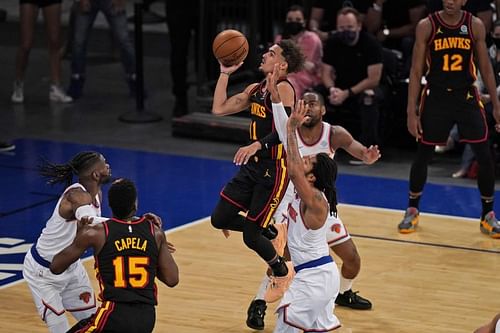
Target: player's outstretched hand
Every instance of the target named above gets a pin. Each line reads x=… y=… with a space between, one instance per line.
x=229 y=69
x=272 y=84
x=371 y=155
x=298 y=115
x=83 y=223
x=244 y=153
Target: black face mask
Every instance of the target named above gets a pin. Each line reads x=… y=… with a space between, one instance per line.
x=347 y=36
x=497 y=42
x=292 y=28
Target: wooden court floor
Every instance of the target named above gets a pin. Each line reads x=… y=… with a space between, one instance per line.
x=445 y=278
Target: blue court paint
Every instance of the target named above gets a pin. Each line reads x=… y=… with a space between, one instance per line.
x=179 y=189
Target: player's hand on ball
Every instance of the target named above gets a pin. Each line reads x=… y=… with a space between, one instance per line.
x=229 y=69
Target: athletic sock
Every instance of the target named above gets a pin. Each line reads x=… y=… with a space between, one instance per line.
x=345 y=284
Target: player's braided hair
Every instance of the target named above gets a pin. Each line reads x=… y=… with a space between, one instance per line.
x=63 y=173
x=121 y=196
x=325 y=171
x=292 y=54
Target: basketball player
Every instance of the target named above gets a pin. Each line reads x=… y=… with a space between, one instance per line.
x=314 y=137
x=260 y=184
x=492 y=327
x=70 y=291
x=308 y=304
x=450 y=40
x=129 y=253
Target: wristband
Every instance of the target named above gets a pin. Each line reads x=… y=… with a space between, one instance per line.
x=85 y=210
x=227 y=73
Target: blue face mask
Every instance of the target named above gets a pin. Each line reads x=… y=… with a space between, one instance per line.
x=347 y=36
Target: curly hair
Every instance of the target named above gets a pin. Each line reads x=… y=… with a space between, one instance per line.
x=325 y=171
x=121 y=197
x=292 y=54
x=63 y=173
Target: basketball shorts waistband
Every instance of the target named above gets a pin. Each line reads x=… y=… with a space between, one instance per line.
x=313 y=263
x=38 y=258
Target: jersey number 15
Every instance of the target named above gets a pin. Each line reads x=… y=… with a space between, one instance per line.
x=137 y=275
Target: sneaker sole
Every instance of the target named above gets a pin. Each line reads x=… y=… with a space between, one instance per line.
x=407 y=231
x=258 y=328
x=411 y=229
x=489 y=233
x=355 y=307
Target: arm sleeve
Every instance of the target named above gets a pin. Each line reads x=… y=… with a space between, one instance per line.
x=280 y=119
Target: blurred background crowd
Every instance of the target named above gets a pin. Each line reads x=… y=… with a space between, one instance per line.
x=360 y=62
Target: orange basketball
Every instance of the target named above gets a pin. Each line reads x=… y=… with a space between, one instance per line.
x=230 y=47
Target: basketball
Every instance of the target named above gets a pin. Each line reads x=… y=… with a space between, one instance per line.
x=230 y=47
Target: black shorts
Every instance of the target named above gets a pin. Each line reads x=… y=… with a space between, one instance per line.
x=122 y=317
x=258 y=188
x=40 y=3
x=442 y=108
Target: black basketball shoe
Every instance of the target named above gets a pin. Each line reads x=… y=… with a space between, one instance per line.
x=353 y=300
x=256 y=312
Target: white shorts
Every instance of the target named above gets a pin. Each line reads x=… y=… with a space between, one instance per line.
x=70 y=291
x=497 y=326
x=309 y=302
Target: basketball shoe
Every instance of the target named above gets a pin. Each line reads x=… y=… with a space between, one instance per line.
x=18 y=92
x=57 y=94
x=352 y=300
x=279 y=284
x=255 y=314
x=410 y=221
x=490 y=225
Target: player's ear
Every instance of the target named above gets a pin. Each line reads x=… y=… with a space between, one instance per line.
x=323 y=110
x=284 y=66
x=310 y=177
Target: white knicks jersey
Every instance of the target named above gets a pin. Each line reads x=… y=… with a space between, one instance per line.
x=320 y=146
x=304 y=244
x=59 y=232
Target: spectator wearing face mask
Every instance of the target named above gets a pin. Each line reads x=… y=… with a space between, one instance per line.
x=352 y=68
x=311 y=46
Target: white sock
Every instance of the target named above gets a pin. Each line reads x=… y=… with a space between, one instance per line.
x=262 y=288
x=345 y=284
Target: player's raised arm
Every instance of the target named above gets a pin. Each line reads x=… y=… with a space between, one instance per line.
x=316 y=207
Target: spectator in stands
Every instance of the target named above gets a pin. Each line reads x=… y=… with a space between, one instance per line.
x=182 y=20
x=352 y=69
x=324 y=14
x=28 y=12
x=393 y=22
x=115 y=13
x=311 y=46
